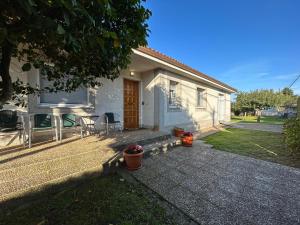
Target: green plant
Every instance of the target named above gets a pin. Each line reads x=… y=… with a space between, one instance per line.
x=72 y=42
x=292 y=134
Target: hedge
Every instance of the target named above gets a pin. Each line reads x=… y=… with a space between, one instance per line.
x=292 y=134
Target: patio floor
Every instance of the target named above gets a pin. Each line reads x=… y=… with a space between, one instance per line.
x=215 y=187
x=24 y=170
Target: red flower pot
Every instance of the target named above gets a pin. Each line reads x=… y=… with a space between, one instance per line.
x=133 y=155
x=187 y=139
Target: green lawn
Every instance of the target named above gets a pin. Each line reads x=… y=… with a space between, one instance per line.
x=253 y=119
x=263 y=145
x=105 y=200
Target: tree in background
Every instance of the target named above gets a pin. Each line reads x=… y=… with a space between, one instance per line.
x=72 y=42
x=263 y=99
x=287 y=91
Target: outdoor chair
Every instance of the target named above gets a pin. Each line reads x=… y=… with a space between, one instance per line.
x=9 y=122
x=112 y=121
x=42 y=122
x=68 y=121
x=88 y=124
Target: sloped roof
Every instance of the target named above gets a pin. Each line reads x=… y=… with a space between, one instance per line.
x=174 y=62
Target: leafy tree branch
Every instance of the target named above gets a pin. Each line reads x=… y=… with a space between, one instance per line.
x=72 y=42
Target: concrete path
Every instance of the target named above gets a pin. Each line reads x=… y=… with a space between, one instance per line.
x=215 y=187
x=24 y=171
x=259 y=126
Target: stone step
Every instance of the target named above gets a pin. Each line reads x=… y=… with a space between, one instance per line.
x=161 y=147
x=155 y=148
x=144 y=142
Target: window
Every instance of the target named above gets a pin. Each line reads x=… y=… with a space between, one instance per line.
x=174 y=101
x=78 y=97
x=201 y=98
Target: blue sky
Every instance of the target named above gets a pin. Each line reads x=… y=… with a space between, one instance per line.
x=249 y=44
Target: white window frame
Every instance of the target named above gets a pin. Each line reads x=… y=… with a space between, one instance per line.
x=176 y=105
x=203 y=90
x=62 y=105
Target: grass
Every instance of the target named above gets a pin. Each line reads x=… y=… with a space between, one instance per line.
x=263 y=145
x=104 y=200
x=253 y=119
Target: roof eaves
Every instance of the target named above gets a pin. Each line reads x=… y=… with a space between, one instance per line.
x=165 y=58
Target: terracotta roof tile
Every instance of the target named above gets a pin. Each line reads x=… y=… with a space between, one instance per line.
x=174 y=62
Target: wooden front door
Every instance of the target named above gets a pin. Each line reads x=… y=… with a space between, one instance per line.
x=131 y=104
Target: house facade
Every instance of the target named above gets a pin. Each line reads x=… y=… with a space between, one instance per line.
x=155 y=92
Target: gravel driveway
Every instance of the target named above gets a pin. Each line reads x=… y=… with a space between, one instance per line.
x=259 y=126
x=215 y=187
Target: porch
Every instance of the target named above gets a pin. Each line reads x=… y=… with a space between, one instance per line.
x=24 y=170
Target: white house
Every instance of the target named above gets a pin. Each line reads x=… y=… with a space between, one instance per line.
x=155 y=91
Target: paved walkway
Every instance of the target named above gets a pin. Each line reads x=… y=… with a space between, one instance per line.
x=24 y=170
x=259 y=126
x=215 y=187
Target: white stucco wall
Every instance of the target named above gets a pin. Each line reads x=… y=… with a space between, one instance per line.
x=189 y=116
x=228 y=107
x=153 y=97
x=16 y=72
x=149 y=83
x=109 y=97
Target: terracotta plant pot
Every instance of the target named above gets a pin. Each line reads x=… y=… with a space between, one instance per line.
x=133 y=155
x=187 y=139
x=178 y=131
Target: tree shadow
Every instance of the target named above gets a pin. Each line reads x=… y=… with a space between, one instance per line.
x=186 y=116
x=46 y=192
x=55 y=144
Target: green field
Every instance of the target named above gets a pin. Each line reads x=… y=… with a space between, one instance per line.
x=263 y=145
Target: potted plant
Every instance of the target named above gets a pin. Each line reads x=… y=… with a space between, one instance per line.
x=187 y=139
x=133 y=155
x=178 y=131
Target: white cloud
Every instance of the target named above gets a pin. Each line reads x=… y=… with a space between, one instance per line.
x=258 y=74
x=289 y=76
x=263 y=74
x=257 y=69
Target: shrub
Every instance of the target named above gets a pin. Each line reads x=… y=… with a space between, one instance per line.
x=292 y=134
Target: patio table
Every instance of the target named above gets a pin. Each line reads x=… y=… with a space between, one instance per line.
x=83 y=119
x=58 y=124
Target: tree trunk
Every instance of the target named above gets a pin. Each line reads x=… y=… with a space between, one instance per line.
x=6 y=86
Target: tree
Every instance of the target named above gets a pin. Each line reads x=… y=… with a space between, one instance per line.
x=262 y=99
x=287 y=91
x=72 y=42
